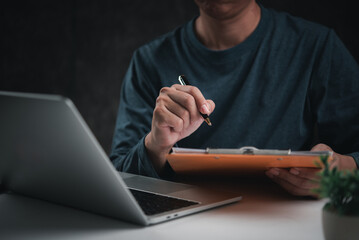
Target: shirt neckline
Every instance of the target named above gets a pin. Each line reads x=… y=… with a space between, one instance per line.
x=220 y=56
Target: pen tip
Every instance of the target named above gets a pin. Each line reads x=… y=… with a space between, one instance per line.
x=208 y=121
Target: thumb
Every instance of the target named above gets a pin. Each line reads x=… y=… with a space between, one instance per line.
x=212 y=106
x=321 y=147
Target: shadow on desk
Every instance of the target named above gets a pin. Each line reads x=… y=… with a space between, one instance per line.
x=22 y=217
x=257 y=188
x=263 y=199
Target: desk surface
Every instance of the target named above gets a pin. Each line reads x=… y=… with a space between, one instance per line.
x=266 y=212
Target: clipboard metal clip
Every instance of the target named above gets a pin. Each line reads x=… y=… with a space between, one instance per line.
x=248 y=150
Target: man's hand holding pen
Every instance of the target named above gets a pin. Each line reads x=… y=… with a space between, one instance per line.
x=177 y=114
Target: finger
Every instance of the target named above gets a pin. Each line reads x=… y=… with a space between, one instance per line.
x=289 y=187
x=187 y=103
x=187 y=116
x=180 y=112
x=212 y=105
x=165 y=118
x=202 y=105
x=295 y=180
x=334 y=162
x=307 y=173
x=321 y=147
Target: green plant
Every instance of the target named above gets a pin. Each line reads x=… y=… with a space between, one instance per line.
x=341 y=187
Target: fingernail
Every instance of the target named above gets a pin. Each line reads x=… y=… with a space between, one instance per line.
x=204 y=109
x=274 y=171
x=209 y=107
x=294 y=171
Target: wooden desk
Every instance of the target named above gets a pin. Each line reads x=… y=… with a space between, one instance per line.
x=266 y=212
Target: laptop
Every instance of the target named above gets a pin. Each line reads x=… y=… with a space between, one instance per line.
x=48 y=152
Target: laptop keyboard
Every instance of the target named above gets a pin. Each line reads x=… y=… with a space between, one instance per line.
x=152 y=203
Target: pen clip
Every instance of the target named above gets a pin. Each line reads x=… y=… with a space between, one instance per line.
x=183 y=80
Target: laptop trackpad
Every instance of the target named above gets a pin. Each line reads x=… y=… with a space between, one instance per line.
x=153 y=184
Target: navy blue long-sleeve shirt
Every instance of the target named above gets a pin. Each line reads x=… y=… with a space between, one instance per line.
x=289 y=81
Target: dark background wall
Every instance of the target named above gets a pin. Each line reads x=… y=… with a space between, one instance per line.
x=81 y=48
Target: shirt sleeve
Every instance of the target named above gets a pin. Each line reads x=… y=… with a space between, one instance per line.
x=137 y=101
x=335 y=95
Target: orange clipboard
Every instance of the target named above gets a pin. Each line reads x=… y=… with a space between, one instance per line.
x=243 y=160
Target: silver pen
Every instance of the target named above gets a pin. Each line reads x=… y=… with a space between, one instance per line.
x=183 y=81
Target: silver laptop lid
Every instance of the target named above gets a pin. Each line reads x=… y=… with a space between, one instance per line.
x=47 y=151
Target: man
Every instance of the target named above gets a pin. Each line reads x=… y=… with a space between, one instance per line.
x=275 y=80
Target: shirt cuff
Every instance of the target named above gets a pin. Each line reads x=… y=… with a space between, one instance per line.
x=355 y=155
x=146 y=163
